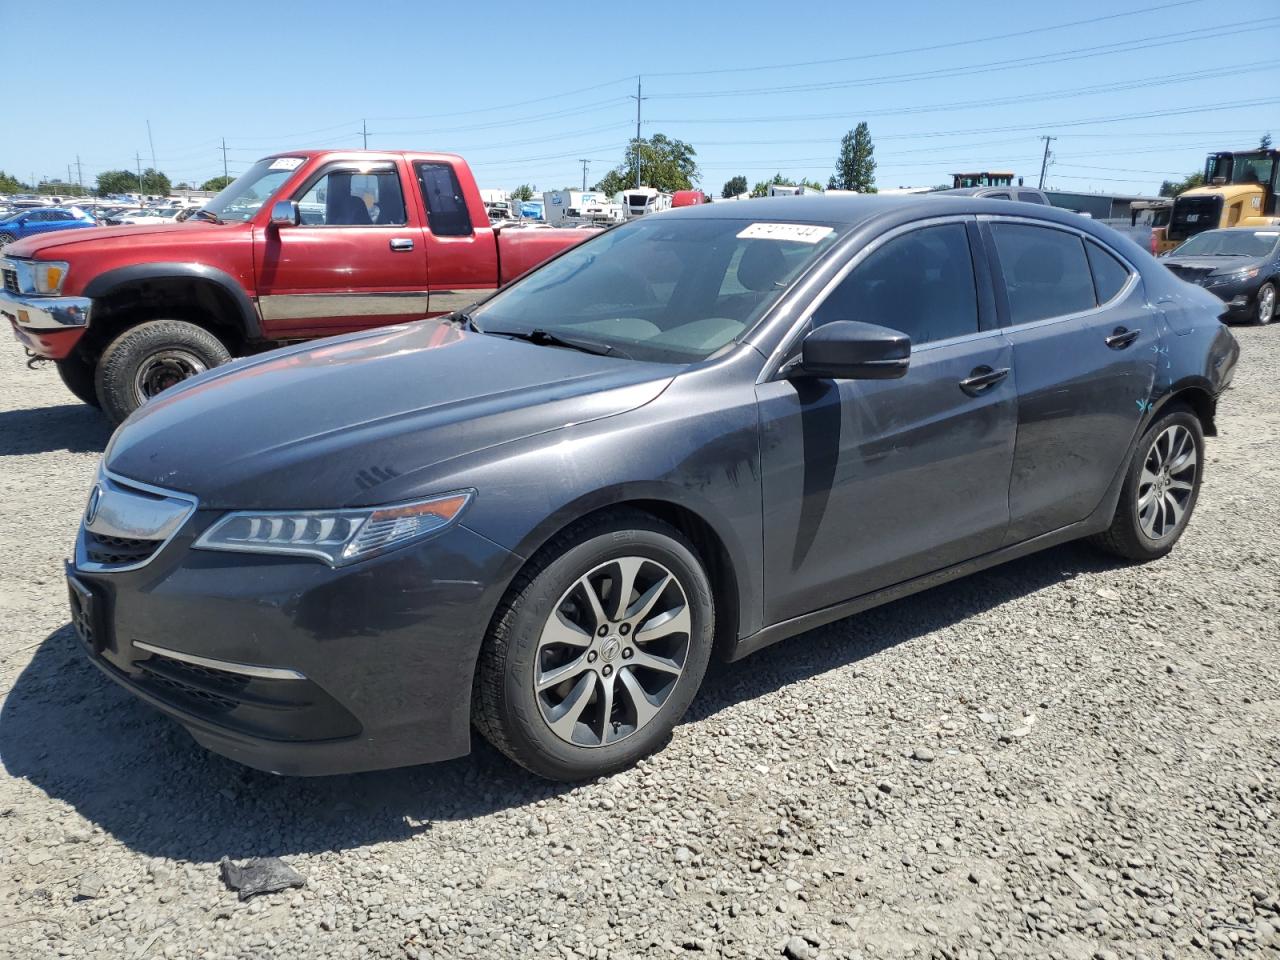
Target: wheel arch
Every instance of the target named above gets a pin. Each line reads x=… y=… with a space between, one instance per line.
x=1196 y=396
x=194 y=292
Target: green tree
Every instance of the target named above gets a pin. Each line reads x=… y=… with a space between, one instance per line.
x=665 y=163
x=154 y=183
x=856 y=165
x=11 y=184
x=61 y=188
x=216 y=183
x=522 y=192
x=1265 y=142
x=734 y=187
x=1171 y=188
x=761 y=189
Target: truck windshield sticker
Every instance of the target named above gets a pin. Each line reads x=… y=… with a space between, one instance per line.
x=1267 y=233
x=286 y=163
x=795 y=232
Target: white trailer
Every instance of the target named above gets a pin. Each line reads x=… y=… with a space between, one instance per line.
x=638 y=201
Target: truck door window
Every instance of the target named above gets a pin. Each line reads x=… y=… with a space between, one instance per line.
x=447 y=214
x=349 y=198
x=1029 y=197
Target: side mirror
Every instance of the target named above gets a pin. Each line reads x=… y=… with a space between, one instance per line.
x=850 y=350
x=284 y=213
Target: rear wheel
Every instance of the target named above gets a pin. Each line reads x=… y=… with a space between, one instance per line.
x=78 y=375
x=1160 y=490
x=597 y=650
x=148 y=359
x=1265 y=312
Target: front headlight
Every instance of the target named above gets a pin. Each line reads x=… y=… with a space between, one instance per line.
x=47 y=276
x=1237 y=277
x=337 y=537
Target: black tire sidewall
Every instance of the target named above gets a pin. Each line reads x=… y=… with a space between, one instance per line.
x=1129 y=503
x=536 y=745
x=120 y=361
x=78 y=376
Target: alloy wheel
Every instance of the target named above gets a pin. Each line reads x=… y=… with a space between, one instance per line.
x=611 y=652
x=1266 y=303
x=1167 y=482
x=164 y=369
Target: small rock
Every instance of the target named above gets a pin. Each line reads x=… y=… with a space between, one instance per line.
x=683 y=854
x=797 y=948
x=923 y=754
x=793 y=886
x=1017 y=733
x=885 y=786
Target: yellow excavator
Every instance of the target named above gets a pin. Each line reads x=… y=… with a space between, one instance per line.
x=1240 y=190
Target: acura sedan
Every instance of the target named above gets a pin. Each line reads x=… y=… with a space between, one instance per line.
x=694 y=435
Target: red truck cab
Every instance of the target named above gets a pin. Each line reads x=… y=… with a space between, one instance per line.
x=304 y=244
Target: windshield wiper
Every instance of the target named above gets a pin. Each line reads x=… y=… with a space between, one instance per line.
x=545 y=338
x=207 y=214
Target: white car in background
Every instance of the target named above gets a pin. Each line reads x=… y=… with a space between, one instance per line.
x=151 y=217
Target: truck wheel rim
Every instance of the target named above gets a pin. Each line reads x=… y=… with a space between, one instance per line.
x=1167 y=481
x=164 y=369
x=612 y=651
x=1266 y=304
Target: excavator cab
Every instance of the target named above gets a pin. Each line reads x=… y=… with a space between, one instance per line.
x=1240 y=190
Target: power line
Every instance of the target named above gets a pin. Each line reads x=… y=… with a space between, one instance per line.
x=927 y=49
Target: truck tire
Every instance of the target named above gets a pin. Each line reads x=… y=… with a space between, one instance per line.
x=78 y=376
x=149 y=358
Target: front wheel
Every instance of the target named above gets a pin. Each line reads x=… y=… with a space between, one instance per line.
x=77 y=375
x=148 y=359
x=1160 y=490
x=1266 y=309
x=597 y=650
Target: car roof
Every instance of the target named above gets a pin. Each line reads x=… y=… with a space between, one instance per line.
x=852 y=210
x=974 y=191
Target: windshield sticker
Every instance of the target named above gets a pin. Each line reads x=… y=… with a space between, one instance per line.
x=285 y=163
x=1267 y=233
x=795 y=232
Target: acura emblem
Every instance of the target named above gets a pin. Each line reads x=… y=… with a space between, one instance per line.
x=91 y=510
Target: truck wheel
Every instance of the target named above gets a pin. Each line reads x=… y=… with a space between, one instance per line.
x=150 y=358
x=77 y=375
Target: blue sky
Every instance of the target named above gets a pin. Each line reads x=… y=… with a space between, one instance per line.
x=526 y=90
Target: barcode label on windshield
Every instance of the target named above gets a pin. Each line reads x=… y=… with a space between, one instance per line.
x=795 y=232
x=286 y=163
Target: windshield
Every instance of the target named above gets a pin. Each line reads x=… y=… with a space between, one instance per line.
x=671 y=290
x=1230 y=243
x=245 y=195
x=12 y=216
x=1245 y=168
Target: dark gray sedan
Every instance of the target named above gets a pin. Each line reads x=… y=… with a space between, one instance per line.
x=1239 y=265
x=693 y=435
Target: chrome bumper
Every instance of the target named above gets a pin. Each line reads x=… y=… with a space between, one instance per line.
x=45 y=313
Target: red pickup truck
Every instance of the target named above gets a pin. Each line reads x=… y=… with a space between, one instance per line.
x=303 y=244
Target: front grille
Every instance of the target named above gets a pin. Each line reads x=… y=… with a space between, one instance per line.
x=1192 y=215
x=118 y=551
x=10 y=280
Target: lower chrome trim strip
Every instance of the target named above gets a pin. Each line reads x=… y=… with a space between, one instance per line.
x=447 y=301
x=309 y=306
x=244 y=669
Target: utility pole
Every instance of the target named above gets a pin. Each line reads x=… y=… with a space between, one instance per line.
x=79 y=175
x=584 y=174
x=364 y=131
x=142 y=192
x=68 y=174
x=153 y=146
x=1044 y=164
x=224 y=158
x=636 y=96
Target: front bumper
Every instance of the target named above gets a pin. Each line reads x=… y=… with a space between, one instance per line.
x=47 y=326
x=293 y=667
x=1240 y=296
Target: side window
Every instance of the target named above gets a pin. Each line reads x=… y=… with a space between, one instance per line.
x=920 y=283
x=60 y=215
x=447 y=214
x=1109 y=274
x=998 y=196
x=38 y=217
x=1045 y=271
x=346 y=198
x=1027 y=197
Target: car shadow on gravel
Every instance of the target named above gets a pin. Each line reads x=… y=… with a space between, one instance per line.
x=74 y=427
x=80 y=739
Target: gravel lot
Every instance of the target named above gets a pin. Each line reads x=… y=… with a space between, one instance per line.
x=1063 y=757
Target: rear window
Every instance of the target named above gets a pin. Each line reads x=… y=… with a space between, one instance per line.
x=1046 y=272
x=447 y=214
x=1028 y=197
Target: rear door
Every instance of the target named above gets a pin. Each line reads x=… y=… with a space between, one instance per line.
x=462 y=251
x=868 y=483
x=355 y=260
x=1085 y=352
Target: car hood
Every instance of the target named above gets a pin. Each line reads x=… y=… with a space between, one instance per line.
x=42 y=244
x=1212 y=266
x=356 y=420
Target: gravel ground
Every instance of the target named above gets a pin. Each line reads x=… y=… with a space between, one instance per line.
x=1063 y=757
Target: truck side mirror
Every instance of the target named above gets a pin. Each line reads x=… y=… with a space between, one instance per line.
x=284 y=213
x=851 y=350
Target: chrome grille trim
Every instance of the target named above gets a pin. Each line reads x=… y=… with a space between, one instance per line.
x=127 y=510
x=226 y=666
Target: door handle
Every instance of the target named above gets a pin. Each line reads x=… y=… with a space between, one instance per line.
x=1121 y=338
x=982 y=379
x=401 y=243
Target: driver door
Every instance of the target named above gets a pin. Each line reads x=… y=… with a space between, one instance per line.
x=868 y=483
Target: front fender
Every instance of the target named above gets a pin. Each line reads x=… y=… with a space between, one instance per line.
x=247 y=314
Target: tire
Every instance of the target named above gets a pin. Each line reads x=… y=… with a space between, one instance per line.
x=78 y=377
x=1265 y=310
x=547 y=602
x=150 y=357
x=1152 y=515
